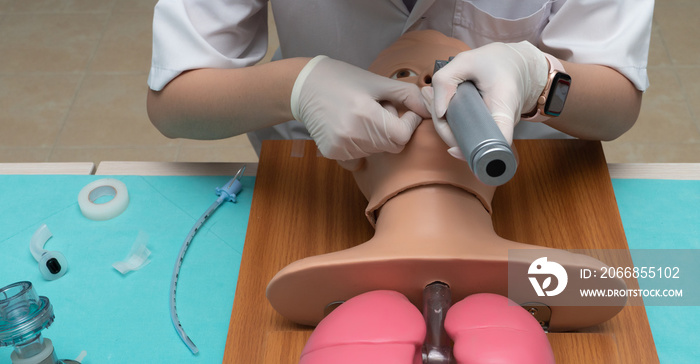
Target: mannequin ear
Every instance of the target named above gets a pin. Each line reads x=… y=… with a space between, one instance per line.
x=490 y=328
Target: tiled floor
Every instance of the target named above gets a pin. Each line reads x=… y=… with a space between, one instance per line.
x=73 y=87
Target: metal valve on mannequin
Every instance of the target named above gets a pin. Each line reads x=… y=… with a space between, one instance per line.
x=437 y=348
x=23 y=315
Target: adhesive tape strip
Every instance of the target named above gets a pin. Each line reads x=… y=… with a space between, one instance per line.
x=103 y=187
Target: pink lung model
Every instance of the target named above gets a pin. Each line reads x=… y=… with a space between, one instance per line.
x=489 y=328
x=383 y=327
x=380 y=327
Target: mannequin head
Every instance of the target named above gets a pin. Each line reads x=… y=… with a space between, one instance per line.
x=424 y=160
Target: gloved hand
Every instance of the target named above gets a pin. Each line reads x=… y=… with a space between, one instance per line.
x=341 y=107
x=509 y=76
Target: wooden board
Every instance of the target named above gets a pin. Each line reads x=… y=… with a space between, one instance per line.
x=561 y=197
x=48 y=168
x=139 y=168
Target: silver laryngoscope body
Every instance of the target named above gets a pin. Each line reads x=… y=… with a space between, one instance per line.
x=487 y=152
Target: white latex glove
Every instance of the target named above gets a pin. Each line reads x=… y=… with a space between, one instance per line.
x=509 y=76
x=341 y=107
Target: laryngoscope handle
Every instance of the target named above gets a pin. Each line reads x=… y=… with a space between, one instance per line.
x=488 y=153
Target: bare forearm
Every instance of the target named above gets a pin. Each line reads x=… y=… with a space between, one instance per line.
x=602 y=104
x=220 y=103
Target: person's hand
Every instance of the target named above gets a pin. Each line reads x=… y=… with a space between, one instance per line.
x=343 y=108
x=509 y=76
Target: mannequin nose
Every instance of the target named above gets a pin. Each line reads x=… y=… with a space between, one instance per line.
x=425 y=79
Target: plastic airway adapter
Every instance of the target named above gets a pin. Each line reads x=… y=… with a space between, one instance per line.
x=52 y=265
x=23 y=315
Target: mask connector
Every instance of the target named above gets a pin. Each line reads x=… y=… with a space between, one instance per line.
x=23 y=316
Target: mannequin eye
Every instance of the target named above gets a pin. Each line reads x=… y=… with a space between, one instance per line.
x=403 y=73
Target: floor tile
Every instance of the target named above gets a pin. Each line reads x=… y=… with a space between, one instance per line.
x=24 y=155
x=652 y=152
x=110 y=111
x=679 y=27
x=665 y=116
x=690 y=79
x=33 y=108
x=4 y=7
x=132 y=6
x=125 y=45
x=273 y=41
x=49 y=42
x=88 y=5
x=55 y=6
x=658 y=54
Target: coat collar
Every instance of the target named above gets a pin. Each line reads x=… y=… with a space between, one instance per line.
x=418 y=10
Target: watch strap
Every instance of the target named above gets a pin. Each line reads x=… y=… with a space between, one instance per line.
x=555 y=66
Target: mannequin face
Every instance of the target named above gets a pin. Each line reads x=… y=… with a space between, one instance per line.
x=425 y=159
x=412 y=57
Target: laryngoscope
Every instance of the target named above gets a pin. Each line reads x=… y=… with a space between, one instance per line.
x=487 y=152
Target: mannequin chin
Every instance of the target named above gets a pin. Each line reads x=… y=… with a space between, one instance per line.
x=431 y=217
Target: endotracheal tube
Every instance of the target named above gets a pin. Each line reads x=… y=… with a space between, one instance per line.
x=226 y=193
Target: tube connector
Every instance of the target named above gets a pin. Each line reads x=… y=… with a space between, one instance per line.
x=437 y=299
x=229 y=191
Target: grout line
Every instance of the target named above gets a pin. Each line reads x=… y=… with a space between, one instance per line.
x=659 y=28
x=102 y=35
x=686 y=100
x=66 y=115
x=83 y=75
x=178 y=152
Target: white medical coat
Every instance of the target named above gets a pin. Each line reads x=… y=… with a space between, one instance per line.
x=191 y=34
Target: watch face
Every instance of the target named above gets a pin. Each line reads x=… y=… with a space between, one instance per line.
x=557 y=94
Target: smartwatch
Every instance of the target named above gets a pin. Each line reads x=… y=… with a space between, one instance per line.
x=551 y=101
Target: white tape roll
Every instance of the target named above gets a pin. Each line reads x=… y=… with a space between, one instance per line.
x=103 y=187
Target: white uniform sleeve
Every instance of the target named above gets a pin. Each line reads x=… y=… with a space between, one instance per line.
x=192 y=34
x=613 y=33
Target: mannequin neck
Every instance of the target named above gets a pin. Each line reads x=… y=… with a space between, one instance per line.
x=436 y=212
